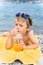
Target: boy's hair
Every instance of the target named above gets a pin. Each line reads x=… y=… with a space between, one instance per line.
x=25 y=16
x=29 y=22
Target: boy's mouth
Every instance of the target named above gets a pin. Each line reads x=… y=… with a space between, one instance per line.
x=18 y=31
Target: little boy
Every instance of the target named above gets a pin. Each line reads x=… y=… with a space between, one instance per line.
x=23 y=25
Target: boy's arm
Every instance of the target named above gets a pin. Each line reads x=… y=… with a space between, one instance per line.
x=33 y=41
x=32 y=46
x=9 y=41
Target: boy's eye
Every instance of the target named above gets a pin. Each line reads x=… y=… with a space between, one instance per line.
x=16 y=24
x=21 y=25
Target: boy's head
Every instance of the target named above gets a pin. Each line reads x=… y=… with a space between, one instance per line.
x=23 y=22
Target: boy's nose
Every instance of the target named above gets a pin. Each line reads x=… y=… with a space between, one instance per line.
x=18 y=27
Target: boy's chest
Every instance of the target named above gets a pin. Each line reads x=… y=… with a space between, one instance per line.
x=26 y=40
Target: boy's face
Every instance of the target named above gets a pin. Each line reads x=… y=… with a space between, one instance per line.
x=20 y=25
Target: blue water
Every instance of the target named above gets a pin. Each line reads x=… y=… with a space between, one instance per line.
x=8 y=11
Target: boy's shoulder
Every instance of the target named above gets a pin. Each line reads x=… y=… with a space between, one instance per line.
x=31 y=32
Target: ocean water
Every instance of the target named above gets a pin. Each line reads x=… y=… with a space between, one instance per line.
x=9 y=10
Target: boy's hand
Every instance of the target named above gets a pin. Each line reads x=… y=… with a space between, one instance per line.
x=13 y=32
x=22 y=45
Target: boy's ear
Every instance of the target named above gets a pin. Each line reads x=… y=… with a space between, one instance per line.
x=28 y=28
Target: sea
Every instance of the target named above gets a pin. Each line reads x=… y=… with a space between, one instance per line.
x=8 y=11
